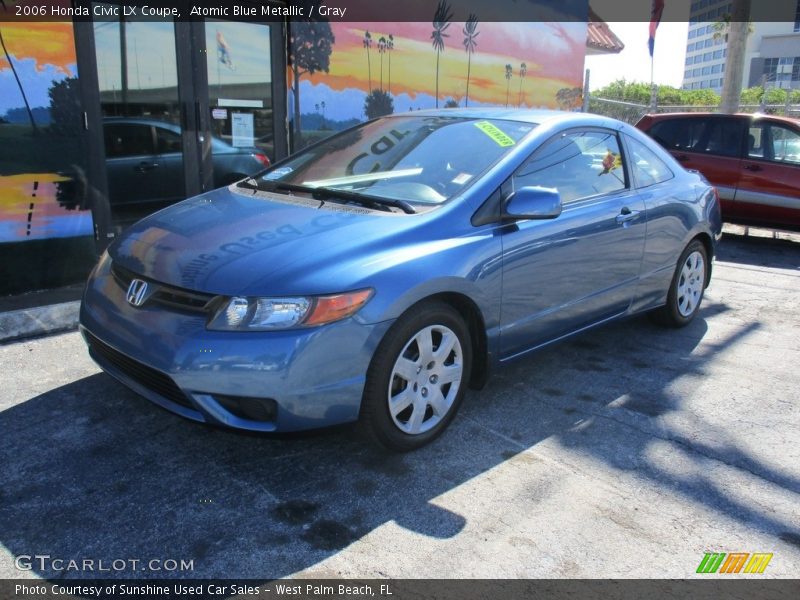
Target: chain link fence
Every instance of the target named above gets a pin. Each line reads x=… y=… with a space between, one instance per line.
x=631 y=112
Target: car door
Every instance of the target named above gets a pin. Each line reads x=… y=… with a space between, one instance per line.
x=769 y=185
x=711 y=144
x=131 y=163
x=580 y=268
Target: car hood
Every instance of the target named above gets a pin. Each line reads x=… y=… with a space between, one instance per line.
x=226 y=242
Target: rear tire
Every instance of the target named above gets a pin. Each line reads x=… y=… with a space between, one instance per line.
x=687 y=288
x=417 y=378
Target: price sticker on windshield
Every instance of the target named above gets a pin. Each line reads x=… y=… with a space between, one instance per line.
x=494 y=132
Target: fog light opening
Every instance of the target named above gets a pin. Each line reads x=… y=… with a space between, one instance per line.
x=264 y=410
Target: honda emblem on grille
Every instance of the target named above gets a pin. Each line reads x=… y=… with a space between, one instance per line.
x=137 y=292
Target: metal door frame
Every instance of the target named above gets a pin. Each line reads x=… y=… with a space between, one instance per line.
x=192 y=76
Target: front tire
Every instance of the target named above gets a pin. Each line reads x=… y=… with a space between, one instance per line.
x=417 y=378
x=687 y=288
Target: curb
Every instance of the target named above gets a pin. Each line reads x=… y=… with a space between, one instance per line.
x=39 y=320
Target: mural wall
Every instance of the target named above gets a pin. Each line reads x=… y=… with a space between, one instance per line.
x=46 y=234
x=341 y=73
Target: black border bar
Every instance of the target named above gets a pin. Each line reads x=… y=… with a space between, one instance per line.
x=384 y=10
x=750 y=587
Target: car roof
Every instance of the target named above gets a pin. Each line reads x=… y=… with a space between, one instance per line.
x=748 y=116
x=523 y=115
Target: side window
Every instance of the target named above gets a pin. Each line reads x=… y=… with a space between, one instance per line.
x=678 y=134
x=785 y=144
x=647 y=168
x=577 y=164
x=723 y=138
x=128 y=140
x=167 y=141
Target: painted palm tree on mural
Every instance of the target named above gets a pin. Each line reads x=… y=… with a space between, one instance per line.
x=382 y=51
x=19 y=83
x=470 y=42
x=509 y=73
x=368 y=44
x=523 y=70
x=441 y=21
x=389 y=48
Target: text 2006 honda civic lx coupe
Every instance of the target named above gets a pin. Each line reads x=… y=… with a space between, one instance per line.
x=376 y=275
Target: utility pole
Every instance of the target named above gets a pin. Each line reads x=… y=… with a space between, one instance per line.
x=738 y=29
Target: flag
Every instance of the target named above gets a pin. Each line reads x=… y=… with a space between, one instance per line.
x=655 y=18
x=224 y=51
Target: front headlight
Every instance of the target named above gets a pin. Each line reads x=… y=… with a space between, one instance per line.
x=271 y=314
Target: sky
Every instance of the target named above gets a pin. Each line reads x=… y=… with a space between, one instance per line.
x=633 y=63
x=52 y=44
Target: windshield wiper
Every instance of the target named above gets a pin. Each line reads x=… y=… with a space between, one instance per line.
x=326 y=193
x=249 y=183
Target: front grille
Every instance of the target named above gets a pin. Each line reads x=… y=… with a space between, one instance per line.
x=153 y=380
x=167 y=295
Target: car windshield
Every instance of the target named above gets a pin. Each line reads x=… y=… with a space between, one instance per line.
x=422 y=160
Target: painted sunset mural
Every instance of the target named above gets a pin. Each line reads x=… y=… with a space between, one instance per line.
x=46 y=231
x=346 y=72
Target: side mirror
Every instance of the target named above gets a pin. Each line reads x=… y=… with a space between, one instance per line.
x=533 y=202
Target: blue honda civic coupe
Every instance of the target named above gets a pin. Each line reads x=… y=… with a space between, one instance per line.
x=379 y=273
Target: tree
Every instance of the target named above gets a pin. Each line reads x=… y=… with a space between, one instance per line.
x=441 y=21
x=734 y=62
x=378 y=104
x=722 y=27
x=509 y=73
x=19 y=83
x=451 y=103
x=470 y=42
x=65 y=108
x=523 y=70
x=310 y=47
x=389 y=48
x=367 y=41
x=756 y=96
x=569 y=98
x=382 y=51
x=638 y=92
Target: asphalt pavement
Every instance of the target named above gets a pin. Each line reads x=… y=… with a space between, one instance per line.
x=629 y=451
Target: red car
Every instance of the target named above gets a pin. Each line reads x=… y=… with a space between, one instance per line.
x=753 y=160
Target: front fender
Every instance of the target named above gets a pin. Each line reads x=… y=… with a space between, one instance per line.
x=472 y=268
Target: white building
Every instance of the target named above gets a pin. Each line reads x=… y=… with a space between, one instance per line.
x=773 y=47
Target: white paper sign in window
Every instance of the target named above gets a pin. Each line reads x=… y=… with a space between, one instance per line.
x=242 y=129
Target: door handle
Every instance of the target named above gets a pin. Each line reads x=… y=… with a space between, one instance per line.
x=626 y=215
x=753 y=168
x=681 y=157
x=143 y=167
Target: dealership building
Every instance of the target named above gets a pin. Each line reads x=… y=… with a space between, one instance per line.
x=106 y=119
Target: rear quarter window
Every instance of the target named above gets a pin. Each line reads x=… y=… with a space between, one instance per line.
x=647 y=168
x=677 y=134
x=718 y=136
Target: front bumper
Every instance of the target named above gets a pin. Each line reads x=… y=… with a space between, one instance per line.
x=257 y=381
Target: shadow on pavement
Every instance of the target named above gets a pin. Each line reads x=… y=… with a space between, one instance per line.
x=759 y=251
x=92 y=470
